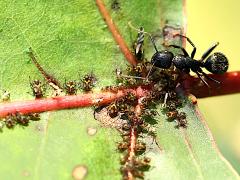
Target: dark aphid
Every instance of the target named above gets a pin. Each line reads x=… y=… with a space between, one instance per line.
x=181 y=120
x=88 y=82
x=172 y=115
x=115 y=5
x=121 y=105
x=5 y=95
x=126 y=138
x=70 y=87
x=123 y=159
x=171 y=106
x=140 y=147
x=38 y=89
x=122 y=146
x=22 y=119
x=112 y=110
x=142 y=164
x=130 y=98
x=34 y=116
x=149 y=112
x=126 y=127
x=10 y=121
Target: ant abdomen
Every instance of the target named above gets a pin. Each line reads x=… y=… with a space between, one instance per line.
x=162 y=59
x=217 y=63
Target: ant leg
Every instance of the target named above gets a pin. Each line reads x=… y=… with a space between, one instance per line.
x=204 y=82
x=209 y=51
x=194 y=47
x=214 y=80
x=179 y=47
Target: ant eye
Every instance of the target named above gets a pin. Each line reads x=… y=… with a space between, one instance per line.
x=217 y=63
x=162 y=59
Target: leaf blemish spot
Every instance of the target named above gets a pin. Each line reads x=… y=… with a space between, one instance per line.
x=39 y=128
x=91 y=131
x=79 y=172
x=26 y=173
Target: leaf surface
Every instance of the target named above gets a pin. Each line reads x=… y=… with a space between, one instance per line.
x=71 y=39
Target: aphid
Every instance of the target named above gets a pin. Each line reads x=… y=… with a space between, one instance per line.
x=126 y=127
x=112 y=110
x=172 y=115
x=37 y=88
x=115 y=5
x=10 y=121
x=216 y=63
x=5 y=95
x=122 y=146
x=181 y=120
x=122 y=105
x=171 y=106
x=88 y=82
x=142 y=164
x=140 y=147
x=50 y=79
x=70 y=87
x=123 y=159
x=149 y=112
x=22 y=119
x=130 y=98
x=34 y=116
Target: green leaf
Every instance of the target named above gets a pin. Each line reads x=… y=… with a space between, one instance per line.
x=71 y=38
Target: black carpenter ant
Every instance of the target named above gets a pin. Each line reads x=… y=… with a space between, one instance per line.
x=217 y=63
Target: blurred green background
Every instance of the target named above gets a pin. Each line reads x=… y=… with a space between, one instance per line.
x=208 y=22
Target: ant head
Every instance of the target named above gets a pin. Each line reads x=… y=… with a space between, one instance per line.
x=217 y=63
x=162 y=59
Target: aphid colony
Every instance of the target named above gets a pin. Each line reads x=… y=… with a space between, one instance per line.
x=69 y=87
x=162 y=74
x=163 y=84
x=12 y=120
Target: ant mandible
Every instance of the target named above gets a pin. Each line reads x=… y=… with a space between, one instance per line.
x=217 y=63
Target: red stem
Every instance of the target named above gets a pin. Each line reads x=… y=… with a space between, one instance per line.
x=116 y=35
x=66 y=102
x=230 y=83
